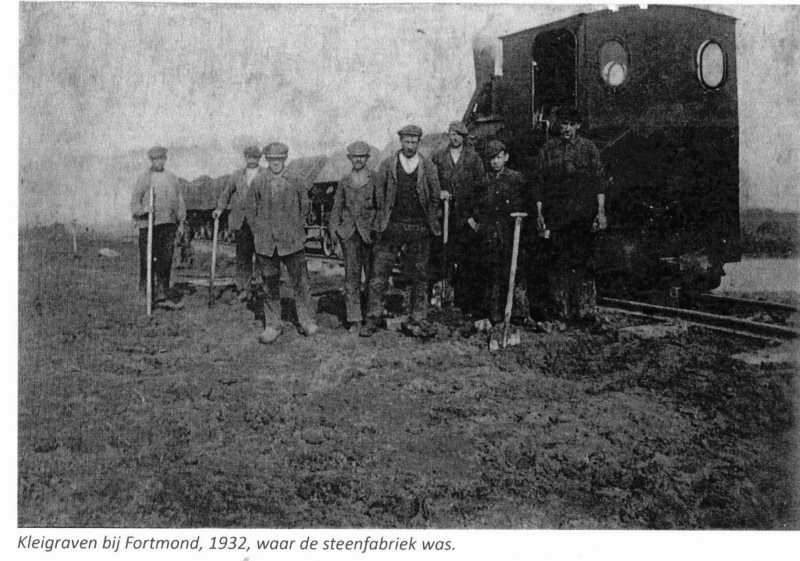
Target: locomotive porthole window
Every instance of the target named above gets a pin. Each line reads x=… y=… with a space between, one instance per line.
x=711 y=64
x=613 y=63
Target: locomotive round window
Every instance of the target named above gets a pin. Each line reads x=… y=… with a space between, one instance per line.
x=613 y=63
x=711 y=64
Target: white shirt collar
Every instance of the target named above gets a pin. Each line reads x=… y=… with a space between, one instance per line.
x=409 y=164
x=455 y=153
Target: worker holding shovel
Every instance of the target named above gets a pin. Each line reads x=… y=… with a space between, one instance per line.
x=495 y=224
x=158 y=207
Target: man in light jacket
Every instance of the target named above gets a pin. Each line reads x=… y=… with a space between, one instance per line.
x=169 y=216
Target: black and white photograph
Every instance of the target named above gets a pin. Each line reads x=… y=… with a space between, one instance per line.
x=406 y=268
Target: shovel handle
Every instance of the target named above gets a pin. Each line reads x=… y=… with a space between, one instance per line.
x=213 y=263
x=446 y=227
x=149 y=290
x=518 y=216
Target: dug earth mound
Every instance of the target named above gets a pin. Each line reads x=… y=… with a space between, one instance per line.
x=184 y=420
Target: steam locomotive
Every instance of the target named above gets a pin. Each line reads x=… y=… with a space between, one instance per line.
x=657 y=91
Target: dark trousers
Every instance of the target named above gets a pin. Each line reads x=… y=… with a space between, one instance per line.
x=571 y=275
x=357 y=257
x=163 y=248
x=245 y=250
x=417 y=240
x=268 y=271
x=467 y=276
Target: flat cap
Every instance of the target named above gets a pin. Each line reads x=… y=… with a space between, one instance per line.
x=157 y=152
x=494 y=147
x=358 y=148
x=252 y=152
x=410 y=130
x=569 y=114
x=276 y=150
x=458 y=127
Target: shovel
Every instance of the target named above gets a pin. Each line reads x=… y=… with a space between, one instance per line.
x=213 y=263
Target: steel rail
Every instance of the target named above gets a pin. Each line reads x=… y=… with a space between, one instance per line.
x=703 y=318
x=747 y=302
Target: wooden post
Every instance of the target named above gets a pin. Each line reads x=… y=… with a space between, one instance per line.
x=518 y=216
x=149 y=291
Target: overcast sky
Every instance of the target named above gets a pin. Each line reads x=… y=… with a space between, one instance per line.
x=100 y=83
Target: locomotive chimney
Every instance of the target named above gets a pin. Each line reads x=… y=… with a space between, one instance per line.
x=483 y=55
x=482 y=102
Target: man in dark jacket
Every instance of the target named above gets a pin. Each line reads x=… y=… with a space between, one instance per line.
x=570 y=204
x=461 y=176
x=276 y=207
x=353 y=220
x=407 y=197
x=233 y=197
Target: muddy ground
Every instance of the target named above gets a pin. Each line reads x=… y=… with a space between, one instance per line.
x=184 y=420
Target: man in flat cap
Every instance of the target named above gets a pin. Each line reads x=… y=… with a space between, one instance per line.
x=461 y=175
x=233 y=197
x=504 y=193
x=570 y=202
x=169 y=216
x=353 y=220
x=407 y=197
x=276 y=206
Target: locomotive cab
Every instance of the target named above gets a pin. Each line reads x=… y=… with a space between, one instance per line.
x=657 y=91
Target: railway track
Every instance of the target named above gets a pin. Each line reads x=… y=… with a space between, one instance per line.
x=717 y=322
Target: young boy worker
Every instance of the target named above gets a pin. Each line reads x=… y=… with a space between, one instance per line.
x=493 y=222
x=169 y=215
x=353 y=220
x=275 y=207
x=233 y=197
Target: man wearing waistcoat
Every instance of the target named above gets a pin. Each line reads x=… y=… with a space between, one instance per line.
x=353 y=220
x=407 y=197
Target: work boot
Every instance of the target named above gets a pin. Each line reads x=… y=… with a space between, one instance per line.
x=269 y=335
x=418 y=328
x=353 y=326
x=309 y=328
x=369 y=328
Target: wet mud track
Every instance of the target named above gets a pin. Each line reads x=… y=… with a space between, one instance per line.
x=184 y=420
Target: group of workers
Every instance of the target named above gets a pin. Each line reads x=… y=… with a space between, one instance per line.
x=398 y=210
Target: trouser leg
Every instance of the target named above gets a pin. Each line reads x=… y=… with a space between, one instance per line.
x=353 y=255
x=269 y=275
x=418 y=254
x=245 y=249
x=163 y=251
x=301 y=285
x=383 y=258
x=143 y=260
